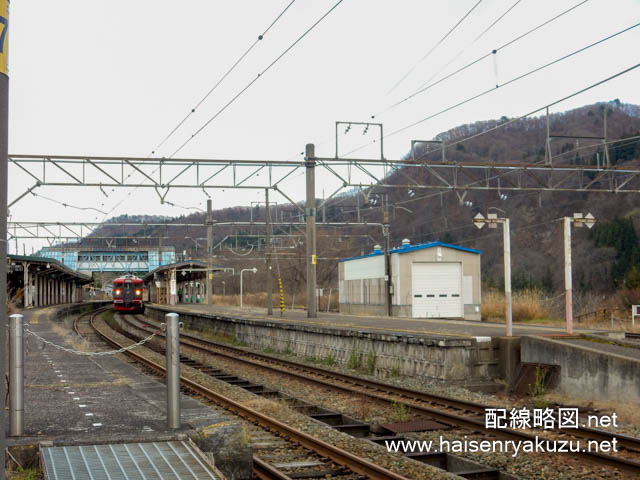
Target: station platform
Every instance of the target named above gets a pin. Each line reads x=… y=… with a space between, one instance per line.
x=395 y=325
x=599 y=367
x=467 y=353
x=73 y=399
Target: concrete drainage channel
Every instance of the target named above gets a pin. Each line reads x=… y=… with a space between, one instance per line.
x=379 y=434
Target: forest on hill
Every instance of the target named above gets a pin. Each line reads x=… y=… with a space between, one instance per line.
x=606 y=259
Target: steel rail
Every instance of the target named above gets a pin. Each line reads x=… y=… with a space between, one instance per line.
x=358 y=381
x=337 y=455
x=264 y=471
x=628 y=442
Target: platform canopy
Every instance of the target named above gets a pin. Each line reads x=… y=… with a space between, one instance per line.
x=46 y=266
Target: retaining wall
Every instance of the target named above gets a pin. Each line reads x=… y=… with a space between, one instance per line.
x=431 y=357
x=586 y=372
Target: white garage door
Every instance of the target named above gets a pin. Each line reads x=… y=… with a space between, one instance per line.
x=437 y=290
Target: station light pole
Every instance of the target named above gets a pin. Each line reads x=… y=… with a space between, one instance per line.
x=253 y=270
x=579 y=221
x=492 y=220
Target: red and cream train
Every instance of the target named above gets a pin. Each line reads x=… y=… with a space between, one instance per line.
x=128 y=294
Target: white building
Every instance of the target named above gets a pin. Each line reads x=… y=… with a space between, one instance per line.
x=431 y=280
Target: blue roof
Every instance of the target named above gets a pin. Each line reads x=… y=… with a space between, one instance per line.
x=374 y=254
x=413 y=248
x=421 y=246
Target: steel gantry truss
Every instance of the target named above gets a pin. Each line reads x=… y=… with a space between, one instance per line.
x=378 y=174
x=166 y=174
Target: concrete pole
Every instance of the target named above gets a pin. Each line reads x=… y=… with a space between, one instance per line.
x=27 y=287
x=16 y=376
x=310 y=213
x=209 y=282
x=173 y=281
x=604 y=141
x=506 y=232
x=241 y=272
x=35 y=289
x=268 y=254
x=173 y=371
x=568 y=284
x=547 y=150
x=387 y=259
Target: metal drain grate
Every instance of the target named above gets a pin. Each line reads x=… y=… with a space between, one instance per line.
x=126 y=461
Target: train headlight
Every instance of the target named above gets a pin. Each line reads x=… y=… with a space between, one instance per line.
x=117 y=291
x=138 y=292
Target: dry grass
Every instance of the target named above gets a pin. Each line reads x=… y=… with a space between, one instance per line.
x=527 y=305
x=591 y=311
x=297 y=301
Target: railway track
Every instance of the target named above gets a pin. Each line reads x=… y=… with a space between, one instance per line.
x=449 y=411
x=283 y=451
x=340 y=422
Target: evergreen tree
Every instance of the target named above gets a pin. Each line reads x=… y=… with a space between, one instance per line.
x=619 y=234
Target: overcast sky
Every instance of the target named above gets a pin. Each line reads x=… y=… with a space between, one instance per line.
x=108 y=78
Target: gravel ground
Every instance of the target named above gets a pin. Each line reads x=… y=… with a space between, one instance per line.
x=366 y=410
x=534 y=466
x=628 y=415
x=396 y=462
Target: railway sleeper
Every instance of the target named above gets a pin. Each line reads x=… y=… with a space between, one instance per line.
x=340 y=422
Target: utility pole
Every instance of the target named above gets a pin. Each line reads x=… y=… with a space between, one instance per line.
x=547 y=146
x=387 y=249
x=310 y=214
x=492 y=220
x=579 y=220
x=268 y=253
x=568 y=283
x=209 y=283
x=604 y=138
x=4 y=139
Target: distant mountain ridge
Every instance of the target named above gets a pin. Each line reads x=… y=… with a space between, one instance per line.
x=536 y=229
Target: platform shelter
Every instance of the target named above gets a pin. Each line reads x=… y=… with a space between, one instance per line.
x=183 y=282
x=39 y=281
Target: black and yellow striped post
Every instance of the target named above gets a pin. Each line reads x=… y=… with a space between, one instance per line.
x=281 y=296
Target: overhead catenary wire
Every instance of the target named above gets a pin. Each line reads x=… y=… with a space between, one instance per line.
x=478 y=37
x=66 y=205
x=479 y=59
x=485 y=92
x=438 y=43
x=629 y=140
x=209 y=92
x=226 y=74
x=513 y=120
x=258 y=76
